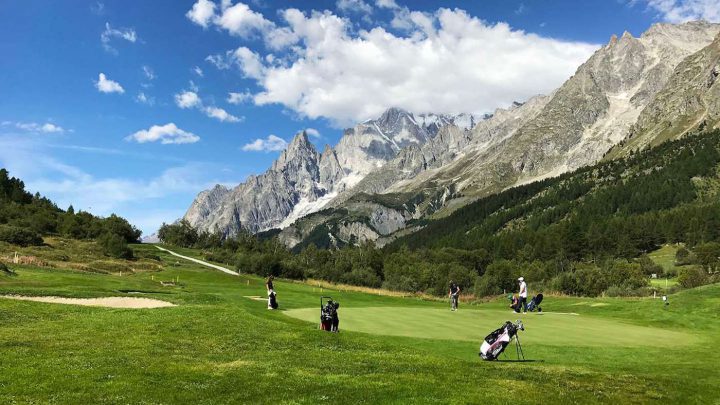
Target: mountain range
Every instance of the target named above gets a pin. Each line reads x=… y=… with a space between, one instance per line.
x=387 y=175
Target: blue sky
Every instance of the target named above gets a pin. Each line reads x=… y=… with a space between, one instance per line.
x=126 y=106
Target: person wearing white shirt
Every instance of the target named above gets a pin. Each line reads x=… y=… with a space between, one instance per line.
x=523 y=294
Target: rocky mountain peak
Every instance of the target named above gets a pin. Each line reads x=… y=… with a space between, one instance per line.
x=298 y=152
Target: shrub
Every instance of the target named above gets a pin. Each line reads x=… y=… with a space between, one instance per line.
x=20 y=236
x=6 y=270
x=682 y=256
x=115 y=246
x=693 y=276
x=648 y=266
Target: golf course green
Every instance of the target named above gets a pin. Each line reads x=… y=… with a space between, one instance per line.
x=218 y=346
x=548 y=328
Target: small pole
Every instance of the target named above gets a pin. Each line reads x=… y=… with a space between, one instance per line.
x=152 y=277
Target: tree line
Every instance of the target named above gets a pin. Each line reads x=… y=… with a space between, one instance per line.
x=25 y=218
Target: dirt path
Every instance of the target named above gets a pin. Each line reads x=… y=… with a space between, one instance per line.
x=108 y=302
x=198 y=261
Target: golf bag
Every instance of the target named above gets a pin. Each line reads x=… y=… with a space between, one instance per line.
x=272 y=300
x=496 y=342
x=535 y=303
x=329 y=320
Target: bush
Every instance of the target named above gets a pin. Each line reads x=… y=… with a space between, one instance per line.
x=682 y=257
x=648 y=266
x=6 y=270
x=115 y=246
x=20 y=236
x=691 y=277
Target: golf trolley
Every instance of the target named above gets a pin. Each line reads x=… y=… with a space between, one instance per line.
x=495 y=343
x=329 y=320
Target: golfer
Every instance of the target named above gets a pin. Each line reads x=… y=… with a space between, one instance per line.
x=454 y=296
x=270 y=290
x=523 y=294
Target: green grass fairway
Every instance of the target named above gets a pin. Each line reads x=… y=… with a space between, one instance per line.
x=217 y=347
x=665 y=257
x=473 y=325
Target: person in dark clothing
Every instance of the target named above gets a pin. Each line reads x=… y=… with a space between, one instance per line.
x=336 y=319
x=454 y=296
x=272 y=296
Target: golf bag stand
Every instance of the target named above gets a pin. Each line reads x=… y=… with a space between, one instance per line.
x=518 y=348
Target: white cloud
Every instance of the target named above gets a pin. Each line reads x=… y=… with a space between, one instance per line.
x=239 y=98
x=240 y=20
x=202 y=12
x=166 y=134
x=187 y=99
x=128 y=34
x=312 y=132
x=190 y=99
x=143 y=98
x=46 y=128
x=386 y=4
x=146 y=200
x=247 y=61
x=354 y=6
x=198 y=71
x=148 y=72
x=220 y=114
x=105 y=85
x=678 y=11
x=445 y=62
x=271 y=144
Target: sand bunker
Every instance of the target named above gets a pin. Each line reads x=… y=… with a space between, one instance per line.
x=108 y=302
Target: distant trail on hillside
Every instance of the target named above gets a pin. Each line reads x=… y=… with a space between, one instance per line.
x=198 y=261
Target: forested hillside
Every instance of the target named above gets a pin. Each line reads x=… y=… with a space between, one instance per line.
x=585 y=232
x=25 y=218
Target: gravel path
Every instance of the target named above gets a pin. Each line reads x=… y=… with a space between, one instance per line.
x=198 y=261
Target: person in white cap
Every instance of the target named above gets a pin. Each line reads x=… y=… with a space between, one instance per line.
x=523 y=294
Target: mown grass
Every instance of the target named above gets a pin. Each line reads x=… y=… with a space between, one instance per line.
x=219 y=347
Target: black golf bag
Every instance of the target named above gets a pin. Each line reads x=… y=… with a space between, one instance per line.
x=273 y=300
x=496 y=342
x=329 y=319
x=535 y=303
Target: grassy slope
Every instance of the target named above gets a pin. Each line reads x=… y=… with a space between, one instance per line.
x=218 y=346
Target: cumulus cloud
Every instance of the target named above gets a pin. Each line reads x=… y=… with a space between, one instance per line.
x=187 y=99
x=105 y=85
x=46 y=128
x=165 y=134
x=444 y=62
x=190 y=99
x=678 y=11
x=354 y=6
x=198 y=71
x=239 y=98
x=271 y=144
x=106 y=37
x=220 y=114
x=240 y=20
x=202 y=12
x=245 y=59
